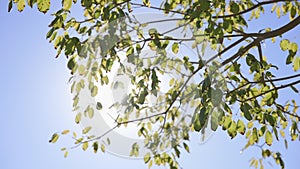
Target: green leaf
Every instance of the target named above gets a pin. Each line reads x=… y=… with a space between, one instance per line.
x=296 y=63
x=186 y=147
x=86 y=130
x=91 y=112
x=99 y=106
x=78 y=118
x=129 y=51
x=10 y=5
x=227 y=122
x=54 y=138
x=197 y=124
x=65 y=132
x=175 y=47
x=71 y=63
x=214 y=120
x=270 y=119
x=290 y=57
x=254 y=136
x=294 y=47
x=94 y=91
x=232 y=131
x=284 y=44
x=31 y=2
x=66 y=154
x=234 y=7
x=85 y=145
x=147 y=158
x=152 y=32
x=147 y=3
x=67 y=4
x=293 y=12
x=204 y=5
x=81 y=70
x=95 y=147
x=43 y=5
x=268 y=138
x=216 y=96
x=241 y=128
x=102 y=148
x=21 y=5
x=245 y=108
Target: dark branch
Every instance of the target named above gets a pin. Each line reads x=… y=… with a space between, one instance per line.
x=251 y=8
x=276 y=88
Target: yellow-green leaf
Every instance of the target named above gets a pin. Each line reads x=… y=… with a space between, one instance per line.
x=21 y=5
x=85 y=145
x=66 y=154
x=284 y=44
x=67 y=4
x=175 y=47
x=102 y=148
x=43 y=5
x=241 y=128
x=296 y=63
x=86 y=130
x=54 y=138
x=91 y=113
x=269 y=138
x=147 y=157
x=65 y=132
x=81 y=70
x=94 y=91
x=78 y=118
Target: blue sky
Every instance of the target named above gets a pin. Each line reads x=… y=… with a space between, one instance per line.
x=35 y=102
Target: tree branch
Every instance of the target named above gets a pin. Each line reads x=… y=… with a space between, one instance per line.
x=251 y=8
x=263 y=36
x=276 y=88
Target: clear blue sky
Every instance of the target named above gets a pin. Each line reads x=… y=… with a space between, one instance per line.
x=35 y=102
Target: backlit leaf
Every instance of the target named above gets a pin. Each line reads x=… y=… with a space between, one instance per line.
x=95 y=147
x=21 y=5
x=85 y=145
x=66 y=154
x=269 y=138
x=54 y=138
x=86 y=130
x=67 y=4
x=147 y=157
x=65 y=132
x=43 y=5
x=175 y=47
x=284 y=44
x=241 y=128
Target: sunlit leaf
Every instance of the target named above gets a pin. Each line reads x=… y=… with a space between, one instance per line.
x=66 y=154
x=43 y=5
x=147 y=157
x=65 y=132
x=85 y=145
x=269 y=138
x=21 y=5
x=86 y=130
x=241 y=128
x=175 y=47
x=284 y=44
x=67 y=4
x=54 y=138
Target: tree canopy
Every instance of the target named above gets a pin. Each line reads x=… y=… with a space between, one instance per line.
x=197 y=65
